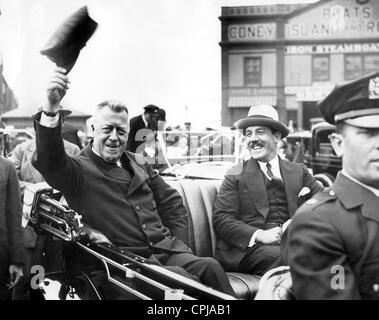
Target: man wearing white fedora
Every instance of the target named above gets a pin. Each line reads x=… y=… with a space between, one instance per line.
x=258 y=197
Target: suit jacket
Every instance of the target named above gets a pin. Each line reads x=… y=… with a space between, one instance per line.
x=242 y=207
x=137 y=134
x=101 y=193
x=11 y=235
x=333 y=244
x=22 y=157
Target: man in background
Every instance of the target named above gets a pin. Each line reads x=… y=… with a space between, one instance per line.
x=72 y=134
x=142 y=128
x=11 y=238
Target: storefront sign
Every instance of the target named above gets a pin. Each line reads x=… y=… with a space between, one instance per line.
x=337 y=19
x=253 y=92
x=260 y=10
x=309 y=93
x=254 y=31
x=333 y=48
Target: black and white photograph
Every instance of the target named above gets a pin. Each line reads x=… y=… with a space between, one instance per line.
x=207 y=151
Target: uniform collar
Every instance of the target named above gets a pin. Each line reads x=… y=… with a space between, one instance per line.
x=354 y=195
x=373 y=190
x=118 y=162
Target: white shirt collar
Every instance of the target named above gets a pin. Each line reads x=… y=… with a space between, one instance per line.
x=373 y=190
x=274 y=167
x=118 y=161
x=144 y=121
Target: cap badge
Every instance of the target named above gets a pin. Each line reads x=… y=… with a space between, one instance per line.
x=373 y=88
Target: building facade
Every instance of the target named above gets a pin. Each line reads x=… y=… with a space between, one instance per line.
x=21 y=118
x=291 y=56
x=7 y=98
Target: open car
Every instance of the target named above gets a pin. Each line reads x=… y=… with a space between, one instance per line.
x=132 y=277
x=126 y=275
x=313 y=148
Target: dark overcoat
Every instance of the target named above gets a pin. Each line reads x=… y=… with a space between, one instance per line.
x=333 y=244
x=102 y=193
x=137 y=133
x=242 y=205
x=11 y=233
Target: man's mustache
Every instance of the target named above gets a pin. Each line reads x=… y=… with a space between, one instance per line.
x=253 y=144
x=112 y=145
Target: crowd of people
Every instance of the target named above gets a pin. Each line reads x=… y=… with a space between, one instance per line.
x=269 y=212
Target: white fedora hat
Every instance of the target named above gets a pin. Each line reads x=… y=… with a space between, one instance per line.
x=263 y=115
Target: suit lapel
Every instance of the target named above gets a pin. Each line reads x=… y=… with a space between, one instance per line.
x=139 y=176
x=141 y=123
x=290 y=175
x=253 y=178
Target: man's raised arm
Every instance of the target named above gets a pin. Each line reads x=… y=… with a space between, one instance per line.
x=51 y=160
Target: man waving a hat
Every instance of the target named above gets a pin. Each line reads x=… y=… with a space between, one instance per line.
x=258 y=197
x=333 y=239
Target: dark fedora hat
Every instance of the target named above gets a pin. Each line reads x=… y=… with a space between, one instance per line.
x=65 y=44
x=263 y=115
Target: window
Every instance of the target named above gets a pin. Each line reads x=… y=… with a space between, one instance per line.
x=252 y=72
x=353 y=67
x=320 y=68
x=359 y=65
x=371 y=63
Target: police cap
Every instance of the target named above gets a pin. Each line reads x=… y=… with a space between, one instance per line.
x=152 y=109
x=355 y=102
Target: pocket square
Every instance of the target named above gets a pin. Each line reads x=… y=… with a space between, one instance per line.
x=303 y=192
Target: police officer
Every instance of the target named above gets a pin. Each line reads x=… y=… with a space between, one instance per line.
x=334 y=237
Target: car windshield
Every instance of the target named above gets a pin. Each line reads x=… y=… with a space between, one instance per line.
x=200 y=154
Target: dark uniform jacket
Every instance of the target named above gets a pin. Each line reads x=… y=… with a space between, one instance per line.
x=139 y=212
x=333 y=244
x=11 y=233
x=242 y=206
x=137 y=134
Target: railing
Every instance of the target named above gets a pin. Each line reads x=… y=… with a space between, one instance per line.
x=172 y=147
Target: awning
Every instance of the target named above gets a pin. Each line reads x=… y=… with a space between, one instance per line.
x=244 y=101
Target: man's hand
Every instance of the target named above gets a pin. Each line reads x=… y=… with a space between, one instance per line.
x=56 y=89
x=15 y=275
x=97 y=237
x=94 y=236
x=269 y=236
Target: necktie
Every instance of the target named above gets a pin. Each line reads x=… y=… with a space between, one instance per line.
x=269 y=171
x=274 y=179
